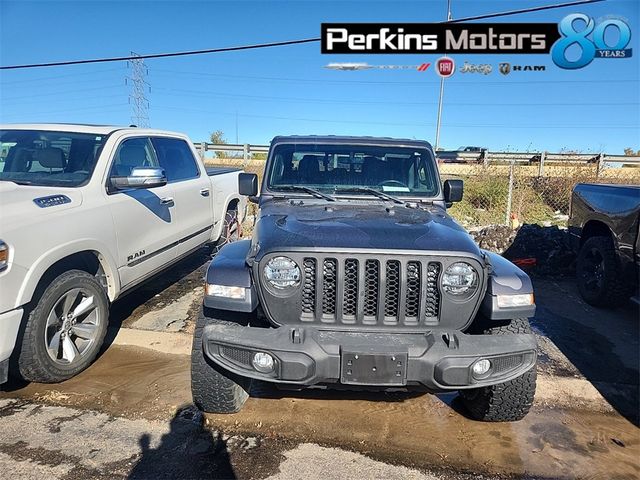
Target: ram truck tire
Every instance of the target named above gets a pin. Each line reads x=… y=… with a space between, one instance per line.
x=600 y=281
x=230 y=230
x=64 y=331
x=505 y=402
x=214 y=390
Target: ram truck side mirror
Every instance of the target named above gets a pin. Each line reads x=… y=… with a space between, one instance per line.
x=248 y=184
x=141 y=177
x=453 y=191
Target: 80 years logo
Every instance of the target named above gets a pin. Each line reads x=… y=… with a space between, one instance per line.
x=593 y=47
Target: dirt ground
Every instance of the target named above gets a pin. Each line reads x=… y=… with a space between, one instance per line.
x=130 y=414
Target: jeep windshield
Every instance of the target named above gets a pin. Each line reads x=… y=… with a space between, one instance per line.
x=47 y=158
x=354 y=170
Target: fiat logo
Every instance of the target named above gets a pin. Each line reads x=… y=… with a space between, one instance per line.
x=445 y=67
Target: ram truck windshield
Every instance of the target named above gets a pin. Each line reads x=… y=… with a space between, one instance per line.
x=48 y=158
x=385 y=172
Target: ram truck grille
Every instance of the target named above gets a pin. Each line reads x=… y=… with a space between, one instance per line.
x=354 y=291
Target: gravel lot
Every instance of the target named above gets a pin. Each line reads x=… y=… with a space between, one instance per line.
x=130 y=414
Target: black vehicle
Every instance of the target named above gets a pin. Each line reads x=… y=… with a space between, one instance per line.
x=604 y=228
x=356 y=277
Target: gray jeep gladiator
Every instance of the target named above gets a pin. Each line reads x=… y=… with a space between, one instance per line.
x=605 y=231
x=356 y=277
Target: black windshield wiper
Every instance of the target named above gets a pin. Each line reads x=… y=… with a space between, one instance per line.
x=372 y=191
x=311 y=191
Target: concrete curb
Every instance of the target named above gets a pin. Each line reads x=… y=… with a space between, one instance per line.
x=558 y=391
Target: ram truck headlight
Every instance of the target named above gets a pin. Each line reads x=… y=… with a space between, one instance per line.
x=237 y=293
x=460 y=278
x=4 y=255
x=520 y=300
x=282 y=273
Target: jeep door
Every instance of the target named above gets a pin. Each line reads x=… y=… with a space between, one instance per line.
x=145 y=219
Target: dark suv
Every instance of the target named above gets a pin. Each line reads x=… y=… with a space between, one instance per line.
x=356 y=277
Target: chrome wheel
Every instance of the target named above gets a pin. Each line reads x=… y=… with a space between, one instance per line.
x=72 y=326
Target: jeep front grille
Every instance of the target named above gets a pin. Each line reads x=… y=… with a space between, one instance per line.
x=370 y=291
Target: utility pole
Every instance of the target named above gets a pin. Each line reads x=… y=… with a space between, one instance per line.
x=137 y=97
x=441 y=89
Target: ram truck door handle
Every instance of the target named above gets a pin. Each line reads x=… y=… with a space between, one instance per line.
x=204 y=192
x=166 y=201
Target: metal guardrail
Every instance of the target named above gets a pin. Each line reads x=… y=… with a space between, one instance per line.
x=452 y=156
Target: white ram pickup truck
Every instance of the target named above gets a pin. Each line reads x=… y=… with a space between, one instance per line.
x=86 y=214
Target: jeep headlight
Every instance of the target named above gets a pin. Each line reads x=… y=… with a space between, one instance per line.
x=282 y=273
x=460 y=278
x=4 y=255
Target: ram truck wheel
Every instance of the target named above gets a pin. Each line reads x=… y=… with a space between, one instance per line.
x=63 y=333
x=214 y=390
x=600 y=280
x=230 y=230
x=505 y=402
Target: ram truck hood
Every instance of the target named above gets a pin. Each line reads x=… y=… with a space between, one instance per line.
x=358 y=225
x=18 y=205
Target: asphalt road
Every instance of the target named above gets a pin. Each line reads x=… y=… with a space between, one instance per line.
x=130 y=414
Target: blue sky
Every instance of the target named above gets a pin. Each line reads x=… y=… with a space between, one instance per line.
x=287 y=91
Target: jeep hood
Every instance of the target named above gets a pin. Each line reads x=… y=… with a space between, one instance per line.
x=18 y=206
x=359 y=225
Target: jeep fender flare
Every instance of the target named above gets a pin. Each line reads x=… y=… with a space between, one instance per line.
x=505 y=279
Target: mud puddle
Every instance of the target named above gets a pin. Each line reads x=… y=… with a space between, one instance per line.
x=421 y=431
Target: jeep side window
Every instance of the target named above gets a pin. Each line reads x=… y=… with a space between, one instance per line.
x=133 y=152
x=175 y=156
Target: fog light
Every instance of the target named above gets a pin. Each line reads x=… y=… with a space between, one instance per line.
x=262 y=362
x=481 y=367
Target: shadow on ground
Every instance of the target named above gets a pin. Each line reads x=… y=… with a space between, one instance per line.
x=188 y=450
x=602 y=344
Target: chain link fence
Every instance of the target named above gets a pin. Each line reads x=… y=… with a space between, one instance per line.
x=513 y=194
x=501 y=188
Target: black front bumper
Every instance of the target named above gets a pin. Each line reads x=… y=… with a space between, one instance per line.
x=439 y=360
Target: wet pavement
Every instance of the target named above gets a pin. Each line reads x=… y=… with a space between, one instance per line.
x=130 y=414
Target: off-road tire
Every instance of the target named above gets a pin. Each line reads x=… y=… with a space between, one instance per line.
x=613 y=291
x=505 y=402
x=214 y=390
x=30 y=358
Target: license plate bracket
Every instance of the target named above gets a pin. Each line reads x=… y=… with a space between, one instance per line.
x=379 y=368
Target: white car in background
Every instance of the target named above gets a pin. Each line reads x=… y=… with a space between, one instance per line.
x=86 y=214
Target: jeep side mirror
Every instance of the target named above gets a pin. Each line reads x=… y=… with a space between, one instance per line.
x=248 y=184
x=453 y=191
x=141 y=177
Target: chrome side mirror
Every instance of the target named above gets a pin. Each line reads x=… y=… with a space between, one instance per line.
x=141 y=177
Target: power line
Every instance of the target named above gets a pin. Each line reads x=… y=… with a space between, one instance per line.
x=453 y=81
x=207 y=93
x=469 y=125
x=161 y=55
x=272 y=44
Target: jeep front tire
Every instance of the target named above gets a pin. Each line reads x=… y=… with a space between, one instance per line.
x=214 y=390
x=505 y=402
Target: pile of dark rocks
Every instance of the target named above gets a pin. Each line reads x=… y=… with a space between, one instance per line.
x=536 y=249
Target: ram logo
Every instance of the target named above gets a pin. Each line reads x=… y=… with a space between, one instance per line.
x=135 y=256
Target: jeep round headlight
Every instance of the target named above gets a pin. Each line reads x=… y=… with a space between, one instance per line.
x=460 y=278
x=282 y=272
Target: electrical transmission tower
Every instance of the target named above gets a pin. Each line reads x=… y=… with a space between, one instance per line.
x=139 y=87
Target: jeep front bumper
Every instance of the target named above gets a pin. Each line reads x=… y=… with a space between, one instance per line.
x=439 y=360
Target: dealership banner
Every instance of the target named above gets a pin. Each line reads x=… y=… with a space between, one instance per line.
x=415 y=38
